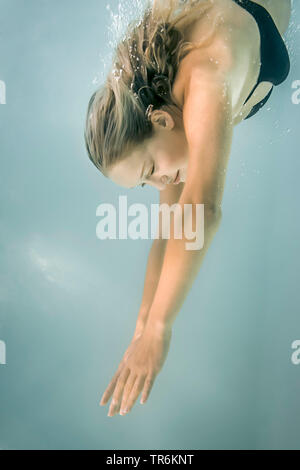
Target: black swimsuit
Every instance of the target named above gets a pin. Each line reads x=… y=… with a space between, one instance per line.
x=274 y=57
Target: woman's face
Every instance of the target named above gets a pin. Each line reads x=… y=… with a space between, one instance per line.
x=158 y=160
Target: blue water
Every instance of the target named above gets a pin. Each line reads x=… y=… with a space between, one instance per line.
x=68 y=302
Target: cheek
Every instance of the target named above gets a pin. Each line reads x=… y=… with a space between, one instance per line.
x=170 y=157
x=178 y=146
x=172 y=153
x=177 y=154
x=173 y=160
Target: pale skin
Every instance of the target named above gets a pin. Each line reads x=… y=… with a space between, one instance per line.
x=196 y=143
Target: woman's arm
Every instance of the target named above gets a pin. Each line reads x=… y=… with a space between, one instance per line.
x=207 y=117
x=169 y=196
x=154 y=265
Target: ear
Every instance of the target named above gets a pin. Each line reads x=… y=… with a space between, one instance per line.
x=162 y=119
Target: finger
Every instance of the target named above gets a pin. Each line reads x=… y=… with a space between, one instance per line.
x=117 y=395
x=117 y=408
x=109 y=389
x=147 y=387
x=111 y=386
x=136 y=390
x=127 y=389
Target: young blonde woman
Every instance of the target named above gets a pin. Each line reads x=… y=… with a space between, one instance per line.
x=182 y=79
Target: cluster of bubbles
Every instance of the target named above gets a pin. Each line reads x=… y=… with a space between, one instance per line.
x=126 y=12
x=117 y=73
x=292 y=39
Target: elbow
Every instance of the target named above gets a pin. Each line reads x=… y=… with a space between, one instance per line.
x=211 y=205
x=213 y=213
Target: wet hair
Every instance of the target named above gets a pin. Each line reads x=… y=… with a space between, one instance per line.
x=144 y=68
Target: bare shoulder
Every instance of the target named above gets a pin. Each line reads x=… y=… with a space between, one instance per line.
x=234 y=48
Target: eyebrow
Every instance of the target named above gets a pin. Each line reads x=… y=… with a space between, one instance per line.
x=141 y=176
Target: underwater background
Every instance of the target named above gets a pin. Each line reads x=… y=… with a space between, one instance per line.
x=69 y=302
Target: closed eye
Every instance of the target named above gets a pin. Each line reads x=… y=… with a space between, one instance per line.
x=153 y=170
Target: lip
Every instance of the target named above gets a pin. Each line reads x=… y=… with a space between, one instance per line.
x=177 y=179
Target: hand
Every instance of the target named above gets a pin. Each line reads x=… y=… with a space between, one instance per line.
x=137 y=371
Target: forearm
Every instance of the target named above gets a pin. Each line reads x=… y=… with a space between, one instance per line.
x=179 y=270
x=154 y=266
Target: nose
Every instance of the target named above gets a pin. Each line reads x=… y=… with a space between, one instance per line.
x=159 y=179
x=161 y=182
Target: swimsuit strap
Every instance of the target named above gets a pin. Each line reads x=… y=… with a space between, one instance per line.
x=274 y=57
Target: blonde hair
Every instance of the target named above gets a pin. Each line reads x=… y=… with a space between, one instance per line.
x=145 y=65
